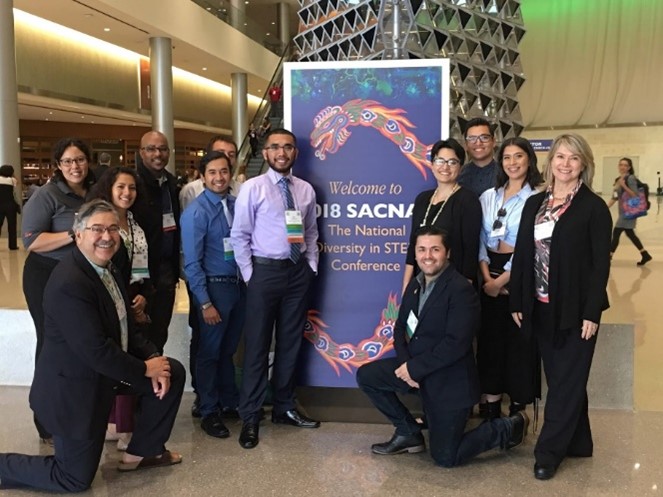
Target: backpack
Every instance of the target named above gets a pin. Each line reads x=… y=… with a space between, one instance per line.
x=645 y=188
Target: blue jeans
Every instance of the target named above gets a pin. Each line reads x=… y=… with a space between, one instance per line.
x=449 y=444
x=215 y=370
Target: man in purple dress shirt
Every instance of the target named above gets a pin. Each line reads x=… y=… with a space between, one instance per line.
x=274 y=237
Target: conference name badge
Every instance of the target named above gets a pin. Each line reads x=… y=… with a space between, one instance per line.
x=228 y=252
x=412 y=322
x=294 y=226
x=499 y=232
x=543 y=230
x=139 y=267
x=168 y=222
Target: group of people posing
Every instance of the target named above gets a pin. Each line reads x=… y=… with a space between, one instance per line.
x=497 y=251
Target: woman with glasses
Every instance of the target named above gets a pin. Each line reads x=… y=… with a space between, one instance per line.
x=48 y=218
x=451 y=208
x=119 y=186
x=505 y=361
x=558 y=292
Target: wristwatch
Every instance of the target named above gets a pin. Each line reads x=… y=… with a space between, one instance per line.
x=205 y=306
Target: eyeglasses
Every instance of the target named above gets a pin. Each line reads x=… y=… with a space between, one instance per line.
x=100 y=229
x=439 y=161
x=481 y=138
x=286 y=148
x=70 y=162
x=151 y=149
x=498 y=224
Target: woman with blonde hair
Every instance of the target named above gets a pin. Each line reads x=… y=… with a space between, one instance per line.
x=558 y=291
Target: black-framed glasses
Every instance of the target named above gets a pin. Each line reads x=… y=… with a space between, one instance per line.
x=481 y=138
x=100 y=229
x=439 y=161
x=70 y=162
x=286 y=148
x=151 y=149
x=500 y=214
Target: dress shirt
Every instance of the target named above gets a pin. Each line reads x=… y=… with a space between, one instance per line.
x=477 y=179
x=111 y=285
x=259 y=228
x=190 y=191
x=204 y=226
x=492 y=201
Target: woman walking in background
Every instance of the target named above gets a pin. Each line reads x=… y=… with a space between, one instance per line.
x=626 y=183
x=9 y=204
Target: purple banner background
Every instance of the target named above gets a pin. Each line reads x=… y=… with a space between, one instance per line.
x=355 y=228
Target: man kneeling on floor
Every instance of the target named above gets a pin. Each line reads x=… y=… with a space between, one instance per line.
x=91 y=351
x=437 y=320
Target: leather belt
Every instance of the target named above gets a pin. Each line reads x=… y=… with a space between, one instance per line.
x=266 y=261
x=223 y=279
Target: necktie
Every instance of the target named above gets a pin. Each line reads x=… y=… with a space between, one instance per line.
x=295 y=249
x=111 y=286
x=226 y=212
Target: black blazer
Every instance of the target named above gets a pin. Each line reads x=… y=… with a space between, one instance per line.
x=439 y=355
x=461 y=217
x=82 y=360
x=579 y=262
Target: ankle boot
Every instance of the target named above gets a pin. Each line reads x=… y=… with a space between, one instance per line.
x=494 y=410
x=645 y=258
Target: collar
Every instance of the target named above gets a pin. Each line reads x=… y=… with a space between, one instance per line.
x=215 y=198
x=276 y=177
x=421 y=279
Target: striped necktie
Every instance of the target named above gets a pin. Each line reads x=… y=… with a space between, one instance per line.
x=295 y=249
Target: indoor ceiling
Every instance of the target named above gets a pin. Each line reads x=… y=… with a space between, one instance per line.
x=83 y=16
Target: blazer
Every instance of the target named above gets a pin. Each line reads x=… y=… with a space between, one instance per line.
x=439 y=355
x=82 y=360
x=461 y=217
x=579 y=262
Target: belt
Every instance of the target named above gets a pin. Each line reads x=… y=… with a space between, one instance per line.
x=223 y=279
x=266 y=261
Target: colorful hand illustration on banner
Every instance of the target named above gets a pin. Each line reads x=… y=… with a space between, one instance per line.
x=347 y=354
x=331 y=131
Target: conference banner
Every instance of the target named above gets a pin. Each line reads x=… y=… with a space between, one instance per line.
x=364 y=132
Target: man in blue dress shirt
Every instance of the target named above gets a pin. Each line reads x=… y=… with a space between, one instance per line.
x=275 y=238
x=219 y=293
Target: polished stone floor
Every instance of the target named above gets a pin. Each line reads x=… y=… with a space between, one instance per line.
x=335 y=460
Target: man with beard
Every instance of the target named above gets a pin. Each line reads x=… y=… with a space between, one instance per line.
x=274 y=236
x=479 y=174
x=158 y=213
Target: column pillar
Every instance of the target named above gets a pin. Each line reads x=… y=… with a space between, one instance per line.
x=239 y=106
x=283 y=21
x=238 y=15
x=10 y=152
x=161 y=76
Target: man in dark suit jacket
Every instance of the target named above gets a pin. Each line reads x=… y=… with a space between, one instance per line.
x=437 y=320
x=90 y=352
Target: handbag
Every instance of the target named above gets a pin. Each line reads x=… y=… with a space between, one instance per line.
x=634 y=207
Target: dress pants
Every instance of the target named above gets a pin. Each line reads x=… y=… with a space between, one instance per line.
x=449 y=445
x=75 y=462
x=161 y=305
x=194 y=324
x=215 y=370
x=36 y=272
x=277 y=299
x=567 y=359
x=10 y=212
x=506 y=360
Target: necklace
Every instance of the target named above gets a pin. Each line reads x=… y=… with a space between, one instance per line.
x=444 y=202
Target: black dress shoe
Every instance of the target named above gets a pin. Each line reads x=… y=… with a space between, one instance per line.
x=399 y=444
x=229 y=413
x=519 y=423
x=195 y=408
x=214 y=427
x=248 y=438
x=294 y=418
x=544 y=471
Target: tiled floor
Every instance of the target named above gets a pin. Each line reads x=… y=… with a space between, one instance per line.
x=336 y=460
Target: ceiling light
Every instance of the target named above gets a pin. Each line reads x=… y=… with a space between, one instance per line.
x=204 y=69
x=107 y=30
